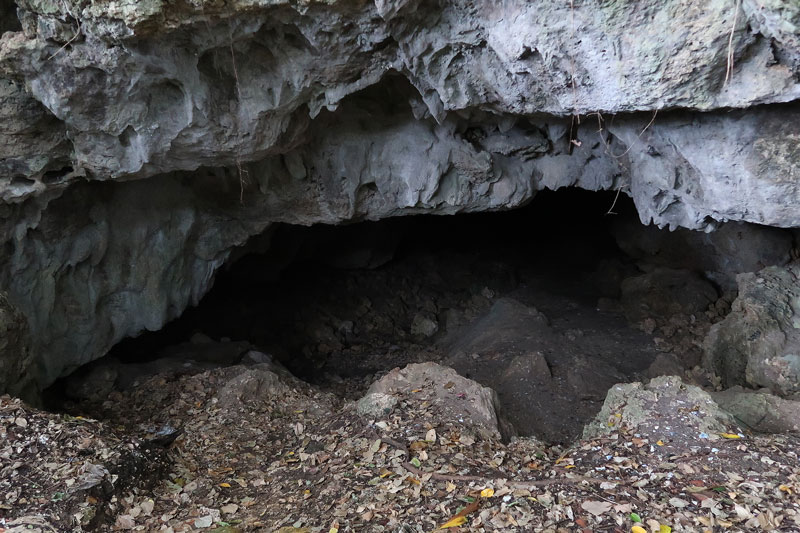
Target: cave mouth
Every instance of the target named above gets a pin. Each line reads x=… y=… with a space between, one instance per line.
x=529 y=302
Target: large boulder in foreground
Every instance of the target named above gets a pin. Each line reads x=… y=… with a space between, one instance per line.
x=669 y=414
x=760 y=410
x=452 y=396
x=758 y=343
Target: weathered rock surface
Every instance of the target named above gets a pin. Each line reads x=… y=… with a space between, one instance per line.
x=666 y=410
x=758 y=343
x=257 y=111
x=453 y=396
x=760 y=410
x=732 y=249
x=665 y=292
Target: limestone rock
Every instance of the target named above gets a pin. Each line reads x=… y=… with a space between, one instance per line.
x=758 y=343
x=666 y=292
x=249 y=384
x=664 y=409
x=376 y=405
x=250 y=112
x=455 y=397
x=732 y=249
x=15 y=354
x=760 y=410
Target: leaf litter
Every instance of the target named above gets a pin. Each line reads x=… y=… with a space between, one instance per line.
x=255 y=450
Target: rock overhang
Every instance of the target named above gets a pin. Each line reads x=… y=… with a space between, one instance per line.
x=256 y=112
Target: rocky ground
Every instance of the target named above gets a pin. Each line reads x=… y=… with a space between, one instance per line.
x=249 y=448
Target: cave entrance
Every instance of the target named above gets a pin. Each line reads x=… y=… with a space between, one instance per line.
x=532 y=302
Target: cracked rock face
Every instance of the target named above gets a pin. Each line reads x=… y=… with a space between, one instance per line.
x=208 y=121
x=758 y=343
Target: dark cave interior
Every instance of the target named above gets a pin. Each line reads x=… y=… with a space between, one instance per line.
x=529 y=302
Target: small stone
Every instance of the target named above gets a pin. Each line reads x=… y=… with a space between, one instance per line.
x=231 y=508
x=203 y=521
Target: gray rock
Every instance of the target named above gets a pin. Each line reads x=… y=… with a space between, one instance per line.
x=758 y=343
x=250 y=384
x=732 y=249
x=509 y=327
x=666 y=410
x=93 y=386
x=423 y=326
x=376 y=405
x=455 y=397
x=664 y=293
x=15 y=348
x=263 y=111
x=590 y=379
x=760 y=410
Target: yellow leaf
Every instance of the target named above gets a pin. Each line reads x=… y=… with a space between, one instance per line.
x=569 y=466
x=638 y=529
x=730 y=436
x=455 y=522
x=487 y=493
x=785 y=488
x=225 y=485
x=333 y=530
x=664 y=529
x=660 y=443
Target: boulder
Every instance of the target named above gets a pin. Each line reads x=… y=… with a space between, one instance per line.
x=758 y=343
x=454 y=397
x=664 y=410
x=759 y=410
x=508 y=327
x=666 y=292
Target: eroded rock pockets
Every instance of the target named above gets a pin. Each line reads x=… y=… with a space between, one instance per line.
x=274 y=113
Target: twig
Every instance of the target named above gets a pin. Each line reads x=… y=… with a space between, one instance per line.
x=616 y=197
x=729 y=68
x=243 y=175
x=575 y=118
x=77 y=33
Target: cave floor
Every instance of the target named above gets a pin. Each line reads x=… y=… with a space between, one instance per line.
x=545 y=339
x=285 y=456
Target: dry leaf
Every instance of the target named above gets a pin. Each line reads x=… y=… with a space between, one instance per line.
x=595 y=507
x=455 y=522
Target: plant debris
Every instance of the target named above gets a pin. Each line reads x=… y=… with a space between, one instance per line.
x=256 y=450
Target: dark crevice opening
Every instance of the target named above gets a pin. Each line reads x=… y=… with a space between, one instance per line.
x=339 y=306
